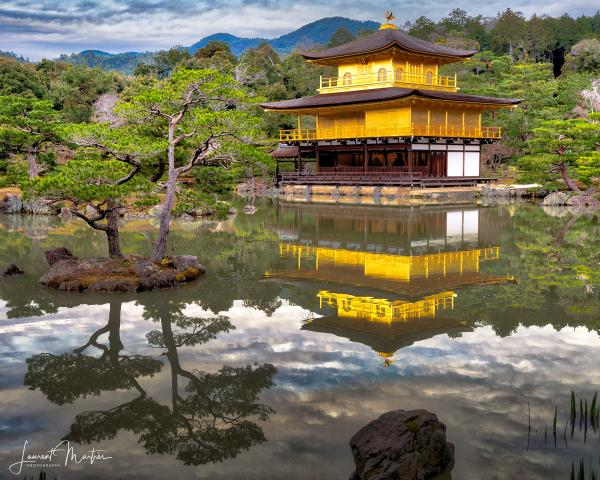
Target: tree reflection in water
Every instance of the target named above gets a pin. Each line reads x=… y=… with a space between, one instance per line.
x=211 y=418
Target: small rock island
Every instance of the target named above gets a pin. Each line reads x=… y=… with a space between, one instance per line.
x=131 y=273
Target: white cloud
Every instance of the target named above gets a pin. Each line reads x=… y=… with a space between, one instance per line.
x=46 y=29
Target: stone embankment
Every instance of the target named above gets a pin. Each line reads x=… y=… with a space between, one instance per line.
x=403 y=196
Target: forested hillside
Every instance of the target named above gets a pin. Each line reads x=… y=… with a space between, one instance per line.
x=551 y=63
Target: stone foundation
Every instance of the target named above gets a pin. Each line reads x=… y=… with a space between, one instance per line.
x=403 y=196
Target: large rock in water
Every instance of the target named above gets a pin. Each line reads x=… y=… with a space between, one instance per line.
x=556 y=198
x=56 y=254
x=11 y=204
x=584 y=201
x=10 y=271
x=129 y=274
x=402 y=445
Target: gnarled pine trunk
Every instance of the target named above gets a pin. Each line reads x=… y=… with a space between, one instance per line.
x=160 y=246
x=568 y=180
x=33 y=169
x=112 y=231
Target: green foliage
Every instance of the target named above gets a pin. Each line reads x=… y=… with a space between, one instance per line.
x=213 y=179
x=166 y=60
x=87 y=180
x=584 y=57
x=20 y=79
x=572 y=142
x=15 y=173
x=215 y=48
x=339 y=37
x=198 y=203
x=73 y=89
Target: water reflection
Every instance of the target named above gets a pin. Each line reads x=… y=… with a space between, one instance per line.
x=517 y=325
x=440 y=253
x=212 y=421
x=383 y=325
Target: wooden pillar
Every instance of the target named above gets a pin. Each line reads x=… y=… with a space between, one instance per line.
x=317 y=159
x=299 y=126
x=366 y=159
x=299 y=161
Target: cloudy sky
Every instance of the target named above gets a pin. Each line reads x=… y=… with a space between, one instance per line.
x=46 y=28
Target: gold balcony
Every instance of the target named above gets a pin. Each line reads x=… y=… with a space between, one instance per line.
x=397 y=130
x=387 y=78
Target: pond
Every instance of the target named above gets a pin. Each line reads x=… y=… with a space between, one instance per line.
x=321 y=318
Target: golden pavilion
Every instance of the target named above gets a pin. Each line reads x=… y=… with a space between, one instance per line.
x=388 y=117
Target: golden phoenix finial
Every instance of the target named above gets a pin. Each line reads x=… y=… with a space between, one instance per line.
x=389 y=16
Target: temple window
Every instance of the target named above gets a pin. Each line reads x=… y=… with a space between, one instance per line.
x=382 y=75
x=347 y=78
x=399 y=74
x=429 y=77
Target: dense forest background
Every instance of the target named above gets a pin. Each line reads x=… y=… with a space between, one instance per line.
x=550 y=63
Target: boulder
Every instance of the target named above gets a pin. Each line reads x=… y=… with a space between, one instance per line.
x=556 y=198
x=155 y=211
x=57 y=254
x=182 y=262
x=249 y=209
x=40 y=206
x=583 y=201
x=65 y=214
x=402 y=445
x=10 y=271
x=11 y=204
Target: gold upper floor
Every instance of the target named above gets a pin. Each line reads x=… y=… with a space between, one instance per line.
x=389 y=69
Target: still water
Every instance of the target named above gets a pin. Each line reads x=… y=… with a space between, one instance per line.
x=310 y=322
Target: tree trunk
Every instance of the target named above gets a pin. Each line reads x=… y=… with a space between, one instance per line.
x=112 y=232
x=568 y=181
x=32 y=167
x=160 y=246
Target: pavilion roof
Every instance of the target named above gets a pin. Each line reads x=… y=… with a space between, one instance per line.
x=357 y=97
x=283 y=151
x=384 y=39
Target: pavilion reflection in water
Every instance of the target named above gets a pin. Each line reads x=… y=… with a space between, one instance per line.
x=421 y=272
x=385 y=326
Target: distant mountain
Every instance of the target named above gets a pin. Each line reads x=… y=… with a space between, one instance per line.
x=314 y=33
x=13 y=56
x=305 y=37
x=122 y=62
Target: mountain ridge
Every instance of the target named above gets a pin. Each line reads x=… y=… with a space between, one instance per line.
x=314 y=33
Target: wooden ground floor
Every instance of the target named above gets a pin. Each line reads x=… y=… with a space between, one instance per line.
x=437 y=164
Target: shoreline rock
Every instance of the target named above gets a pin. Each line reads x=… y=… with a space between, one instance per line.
x=132 y=273
x=555 y=199
x=402 y=445
x=10 y=271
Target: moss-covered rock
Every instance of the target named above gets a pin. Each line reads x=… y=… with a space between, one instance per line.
x=132 y=273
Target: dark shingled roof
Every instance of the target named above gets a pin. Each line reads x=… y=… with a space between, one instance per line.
x=285 y=152
x=378 y=95
x=383 y=39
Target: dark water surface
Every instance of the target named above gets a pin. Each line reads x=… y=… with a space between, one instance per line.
x=320 y=318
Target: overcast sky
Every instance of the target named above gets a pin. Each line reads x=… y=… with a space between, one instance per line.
x=46 y=28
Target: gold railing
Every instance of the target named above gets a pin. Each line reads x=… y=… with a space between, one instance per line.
x=388 y=266
x=389 y=77
x=384 y=310
x=398 y=130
